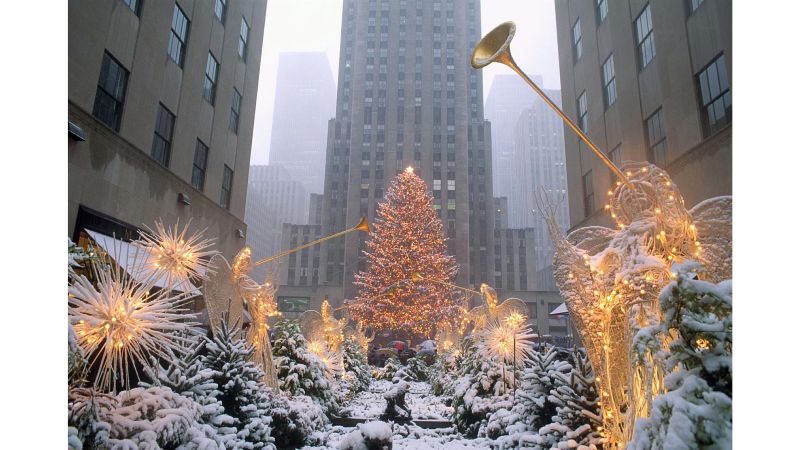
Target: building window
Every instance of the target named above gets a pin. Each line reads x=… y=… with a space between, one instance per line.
x=602 y=10
x=644 y=38
x=110 y=96
x=657 y=138
x=220 y=9
x=199 y=165
x=162 y=137
x=227 y=184
x=236 y=107
x=136 y=5
x=244 y=33
x=588 y=194
x=577 y=46
x=615 y=155
x=178 y=36
x=609 y=81
x=583 y=112
x=693 y=5
x=210 y=82
x=715 y=95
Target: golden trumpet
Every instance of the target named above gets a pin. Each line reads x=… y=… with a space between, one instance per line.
x=496 y=47
x=363 y=225
x=416 y=277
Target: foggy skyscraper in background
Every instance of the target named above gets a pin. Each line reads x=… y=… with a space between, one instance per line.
x=508 y=96
x=304 y=102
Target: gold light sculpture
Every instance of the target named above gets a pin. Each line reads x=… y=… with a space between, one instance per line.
x=359 y=335
x=262 y=306
x=121 y=322
x=176 y=254
x=222 y=293
x=611 y=278
x=325 y=335
x=492 y=310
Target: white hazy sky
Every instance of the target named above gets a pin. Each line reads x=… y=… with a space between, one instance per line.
x=314 y=25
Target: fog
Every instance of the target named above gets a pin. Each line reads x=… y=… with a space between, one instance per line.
x=314 y=25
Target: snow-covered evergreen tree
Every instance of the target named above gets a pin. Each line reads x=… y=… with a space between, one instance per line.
x=576 y=400
x=443 y=373
x=299 y=371
x=188 y=376
x=389 y=369
x=356 y=368
x=88 y=410
x=240 y=385
x=696 y=411
x=480 y=390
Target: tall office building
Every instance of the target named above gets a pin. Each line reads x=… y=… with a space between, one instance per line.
x=508 y=96
x=647 y=81
x=305 y=100
x=407 y=96
x=538 y=162
x=161 y=105
x=273 y=198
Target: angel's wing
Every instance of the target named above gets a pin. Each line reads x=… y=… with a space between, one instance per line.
x=509 y=306
x=221 y=294
x=592 y=240
x=713 y=220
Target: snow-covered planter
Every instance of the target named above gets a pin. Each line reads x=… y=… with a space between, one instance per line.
x=375 y=435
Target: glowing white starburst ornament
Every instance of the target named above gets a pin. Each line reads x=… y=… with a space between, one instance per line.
x=505 y=342
x=121 y=323
x=177 y=254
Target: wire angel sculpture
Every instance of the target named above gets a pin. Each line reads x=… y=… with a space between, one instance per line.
x=324 y=334
x=492 y=310
x=359 y=335
x=611 y=279
x=229 y=292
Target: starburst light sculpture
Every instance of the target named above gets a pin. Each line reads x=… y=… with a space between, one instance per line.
x=174 y=253
x=121 y=323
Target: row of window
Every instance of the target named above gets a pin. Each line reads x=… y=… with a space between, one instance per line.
x=179 y=33
x=715 y=100
x=109 y=102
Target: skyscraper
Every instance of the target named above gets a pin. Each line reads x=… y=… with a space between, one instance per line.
x=508 y=96
x=647 y=81
x=538 y=162
x=273 y=198
x=407 y=96
x=305 y=100
x=161 y=107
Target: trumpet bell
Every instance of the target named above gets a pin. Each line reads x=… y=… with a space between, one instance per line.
x=363 y=225
x=494 y=44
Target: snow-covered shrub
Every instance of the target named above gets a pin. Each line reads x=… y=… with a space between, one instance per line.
x=696 y=410
x=299 y=371
x=415 y=370
x=443 y=373
x=188 y=376
x=480 y=382
x=294 y=419
x=374 y=435
x=77 y=364
x=355 y=364
x=389 y=369
x=576 y=399
x=88 y=410
x=240 y=386
x=156 y=417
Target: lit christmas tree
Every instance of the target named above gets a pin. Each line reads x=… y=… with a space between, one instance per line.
x=407 y=238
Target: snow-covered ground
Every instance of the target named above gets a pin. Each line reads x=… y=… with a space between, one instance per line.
x=422 y=403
